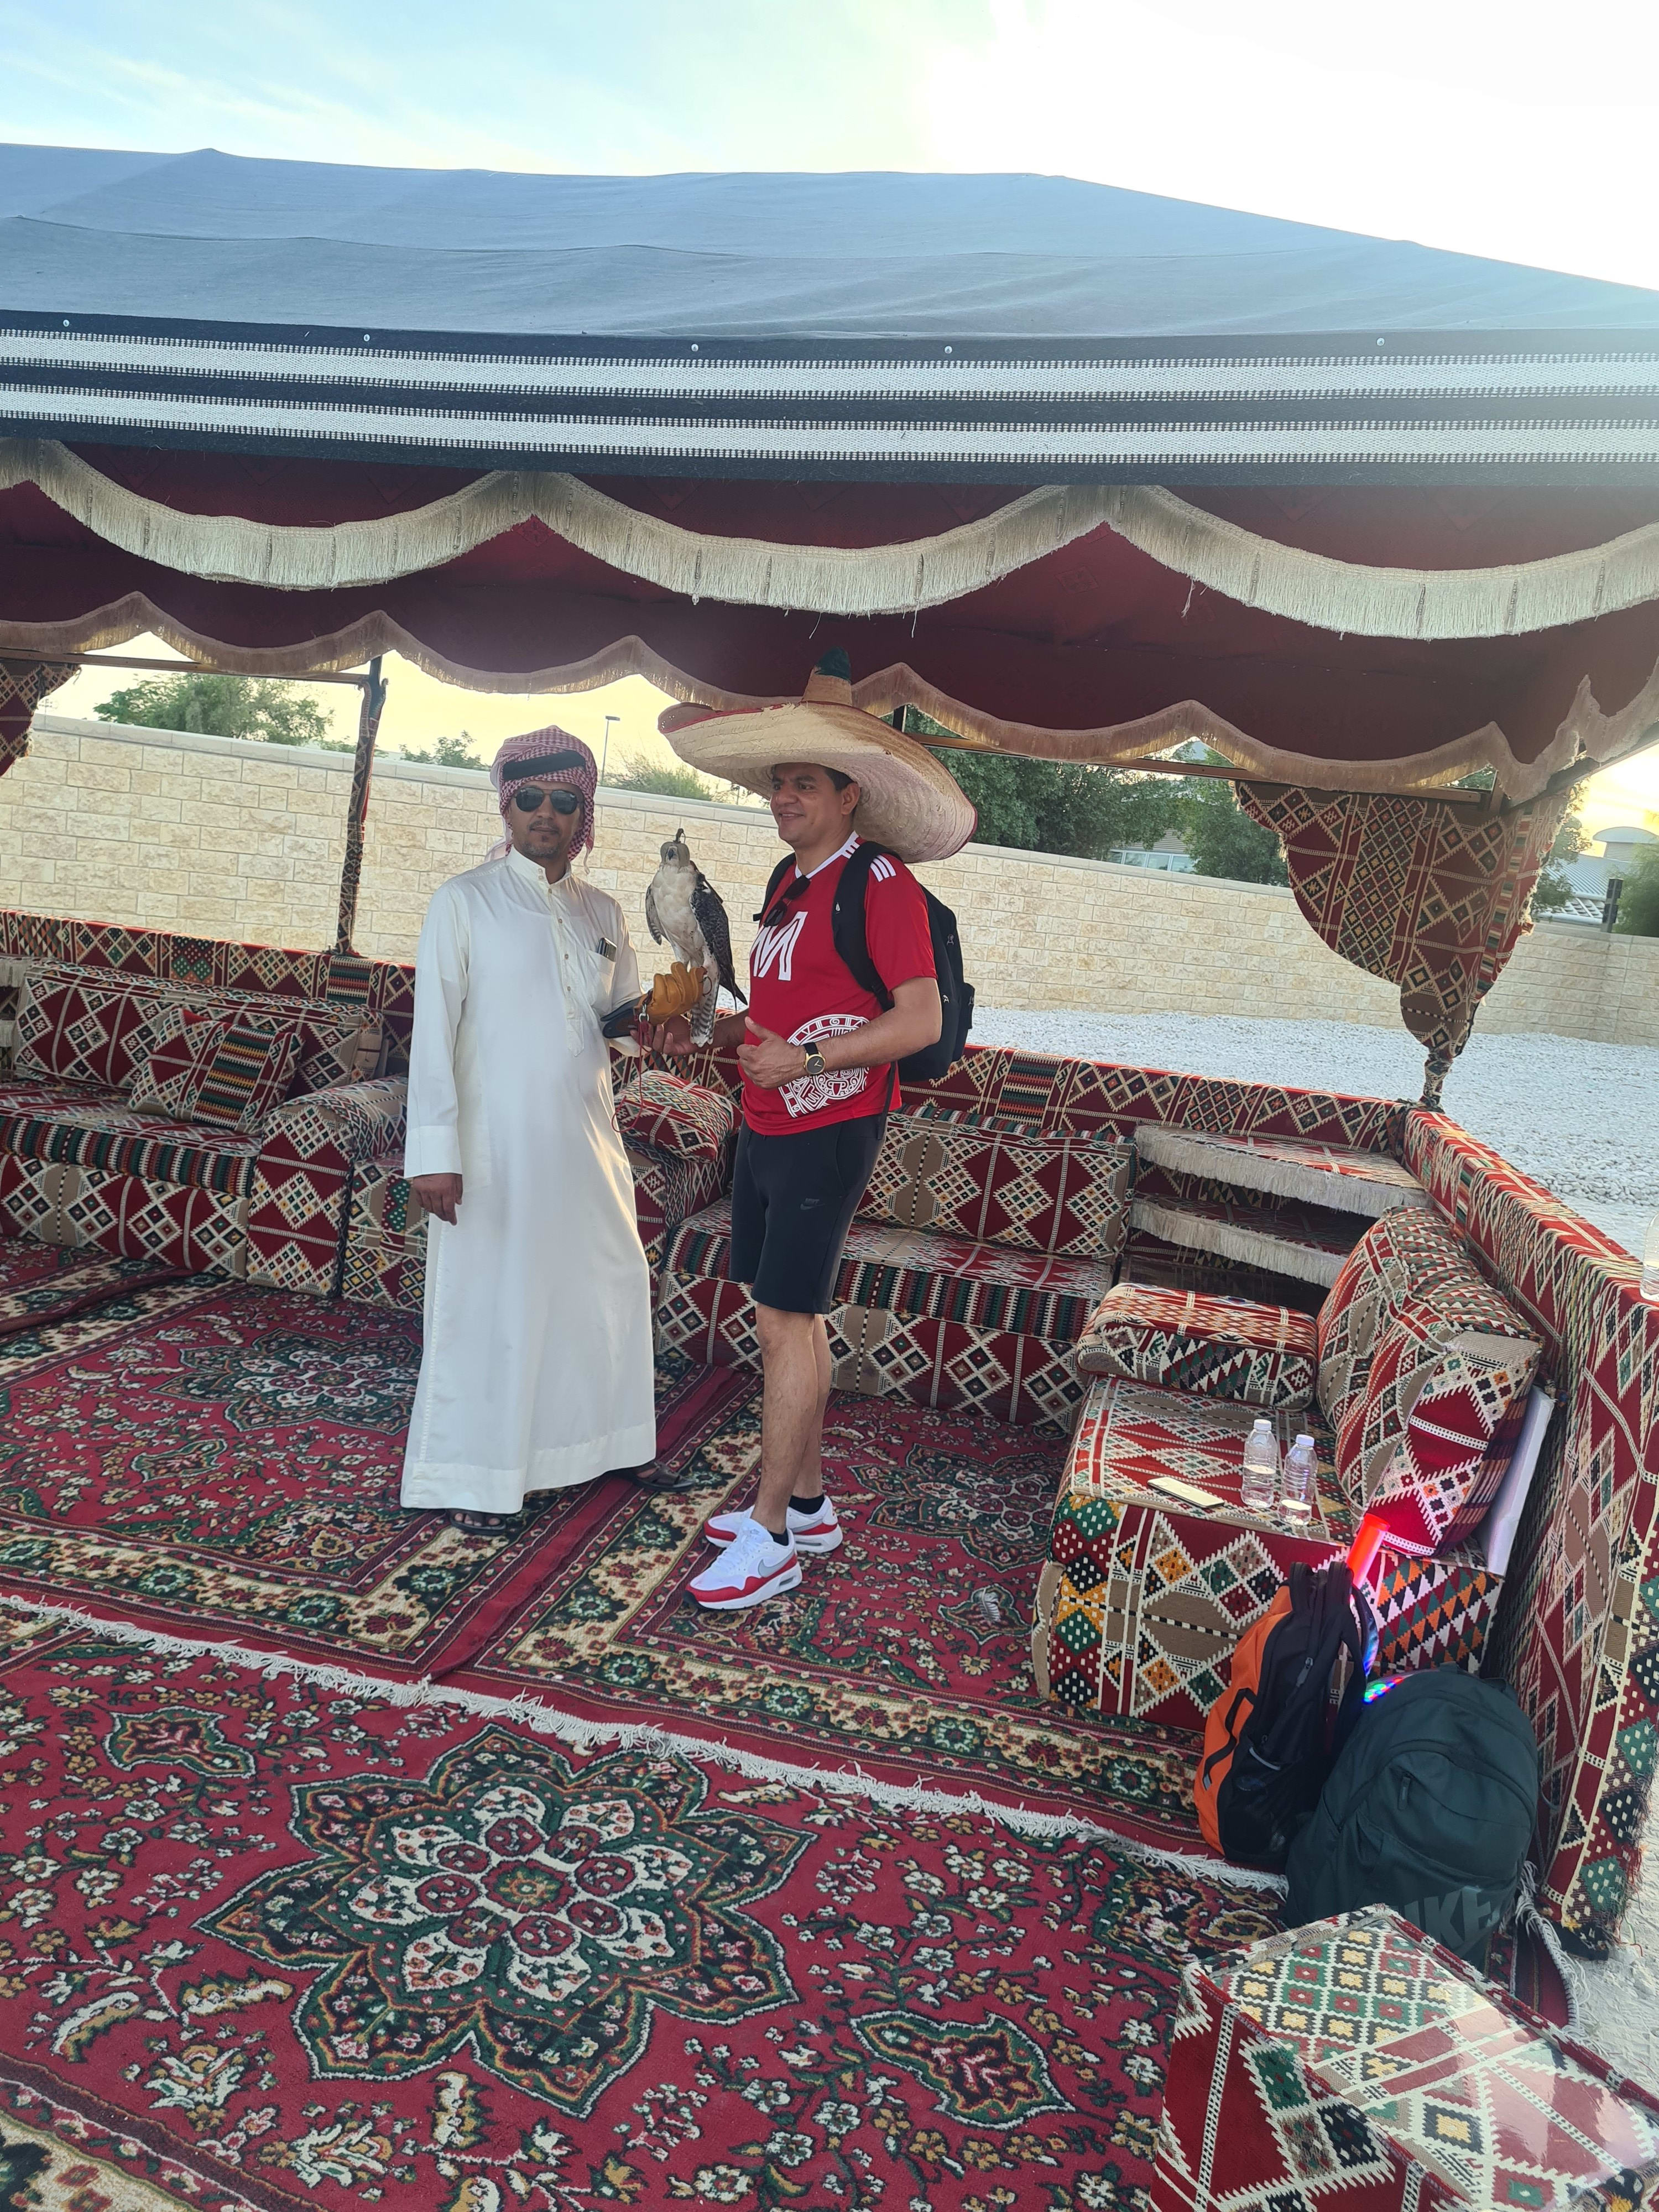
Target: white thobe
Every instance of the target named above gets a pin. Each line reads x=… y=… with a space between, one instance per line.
x=537 y=1367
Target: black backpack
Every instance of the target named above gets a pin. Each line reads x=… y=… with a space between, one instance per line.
x=1428 y=1809
x=847 y=933
x=1271 y=1735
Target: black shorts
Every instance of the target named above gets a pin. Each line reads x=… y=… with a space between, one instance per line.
x=793 y=1200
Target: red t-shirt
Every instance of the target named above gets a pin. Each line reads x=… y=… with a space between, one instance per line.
x=799 y=986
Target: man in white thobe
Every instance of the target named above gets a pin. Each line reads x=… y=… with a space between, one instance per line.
x=536 y=1371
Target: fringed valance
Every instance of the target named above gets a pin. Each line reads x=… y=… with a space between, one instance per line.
x=1585 y=733
x=1312 y=588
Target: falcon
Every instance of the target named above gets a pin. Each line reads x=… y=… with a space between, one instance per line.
x=682 y=909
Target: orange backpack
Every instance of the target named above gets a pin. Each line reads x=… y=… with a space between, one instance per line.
x=1269 y=1739
x=1225 y=1719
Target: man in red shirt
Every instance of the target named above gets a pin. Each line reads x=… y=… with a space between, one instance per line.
x=817 y=1053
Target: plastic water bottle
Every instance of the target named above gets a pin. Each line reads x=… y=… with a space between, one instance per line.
x=1261 y=1469
x=1650 y=1262
x=1297 y=1483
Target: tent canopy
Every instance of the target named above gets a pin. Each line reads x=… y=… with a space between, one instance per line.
x=1020 y=329
x=577 y=425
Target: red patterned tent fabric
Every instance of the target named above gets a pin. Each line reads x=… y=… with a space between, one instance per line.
x=23 y=686
x=1578 y=1638
x=1433 y=897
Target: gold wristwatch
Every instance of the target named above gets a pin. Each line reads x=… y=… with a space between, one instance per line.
x=814 y=1062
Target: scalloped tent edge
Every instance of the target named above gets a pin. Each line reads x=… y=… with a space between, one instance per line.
x=1585 y=733
x=1313 y=588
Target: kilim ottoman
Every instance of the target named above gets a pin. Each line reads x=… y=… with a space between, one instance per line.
x=1355 y=2064
x=1145 y=1594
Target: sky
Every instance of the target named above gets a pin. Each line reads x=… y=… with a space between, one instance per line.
x=1510 y=128
x=1504 y=127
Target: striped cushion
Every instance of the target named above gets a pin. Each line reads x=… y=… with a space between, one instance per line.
x=1218 y=1347
x=231 y=1073
x=74 y=1125
x=924 y=1277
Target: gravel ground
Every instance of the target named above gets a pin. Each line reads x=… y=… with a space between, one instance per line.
x=1583 y=1119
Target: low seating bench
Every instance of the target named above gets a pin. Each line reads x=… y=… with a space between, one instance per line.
x=385 y=1229
x=971 y=1271
x=84 y=1161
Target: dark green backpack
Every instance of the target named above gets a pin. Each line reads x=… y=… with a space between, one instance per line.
x=1428 y=1808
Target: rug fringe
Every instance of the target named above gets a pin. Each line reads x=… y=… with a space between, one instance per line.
x=583 y=1735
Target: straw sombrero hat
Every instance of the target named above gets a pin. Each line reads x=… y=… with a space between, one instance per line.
x=908 y=801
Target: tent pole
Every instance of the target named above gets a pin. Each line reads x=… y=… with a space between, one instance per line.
x=369 y=724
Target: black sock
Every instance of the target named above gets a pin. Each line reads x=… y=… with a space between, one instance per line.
x=773 y=1534
x=806 y=1504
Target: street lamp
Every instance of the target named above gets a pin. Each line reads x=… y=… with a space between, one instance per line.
x=605 y=748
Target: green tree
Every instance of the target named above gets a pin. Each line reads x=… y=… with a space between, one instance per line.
x=223 y=707
x=1222 y=838
x=667 y=779
x=1552 y=891
x=1056 y=806
x=448 y=753
x=1638 y=902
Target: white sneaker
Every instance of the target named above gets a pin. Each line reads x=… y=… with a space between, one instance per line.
x=751 y=1568
x=817 y=1531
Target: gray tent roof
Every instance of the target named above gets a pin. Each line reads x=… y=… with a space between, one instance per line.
x=1022 y=327
x=889 y=257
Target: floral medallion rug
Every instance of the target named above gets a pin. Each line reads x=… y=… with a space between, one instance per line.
x=905 y=1653
x=224 y=1464
x=266 y=1945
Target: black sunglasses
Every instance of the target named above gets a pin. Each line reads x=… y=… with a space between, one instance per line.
x=531 y=801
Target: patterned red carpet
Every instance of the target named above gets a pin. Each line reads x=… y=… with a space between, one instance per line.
x=45 y=1290
x=268 y=1946
x=905 y=1653
x=223 y=1463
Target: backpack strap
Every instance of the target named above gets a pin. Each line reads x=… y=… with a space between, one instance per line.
x=847 y=927
x=775 y=885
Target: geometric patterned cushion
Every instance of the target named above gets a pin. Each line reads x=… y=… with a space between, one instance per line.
x=922 y=1276
x=74 y=1124
x=1064 y=1194
x=336 y=1049
x=1397 y=1260
x=76 y=1027
x=664 y=1113
x=86 y=1025
x=233 y=1071
x=1427 y=1445
x=1220 y=1348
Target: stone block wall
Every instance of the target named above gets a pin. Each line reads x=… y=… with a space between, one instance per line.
x=245 y=841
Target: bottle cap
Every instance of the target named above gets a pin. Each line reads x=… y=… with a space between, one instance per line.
x=1304 y=1440
x=1264 y=1424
